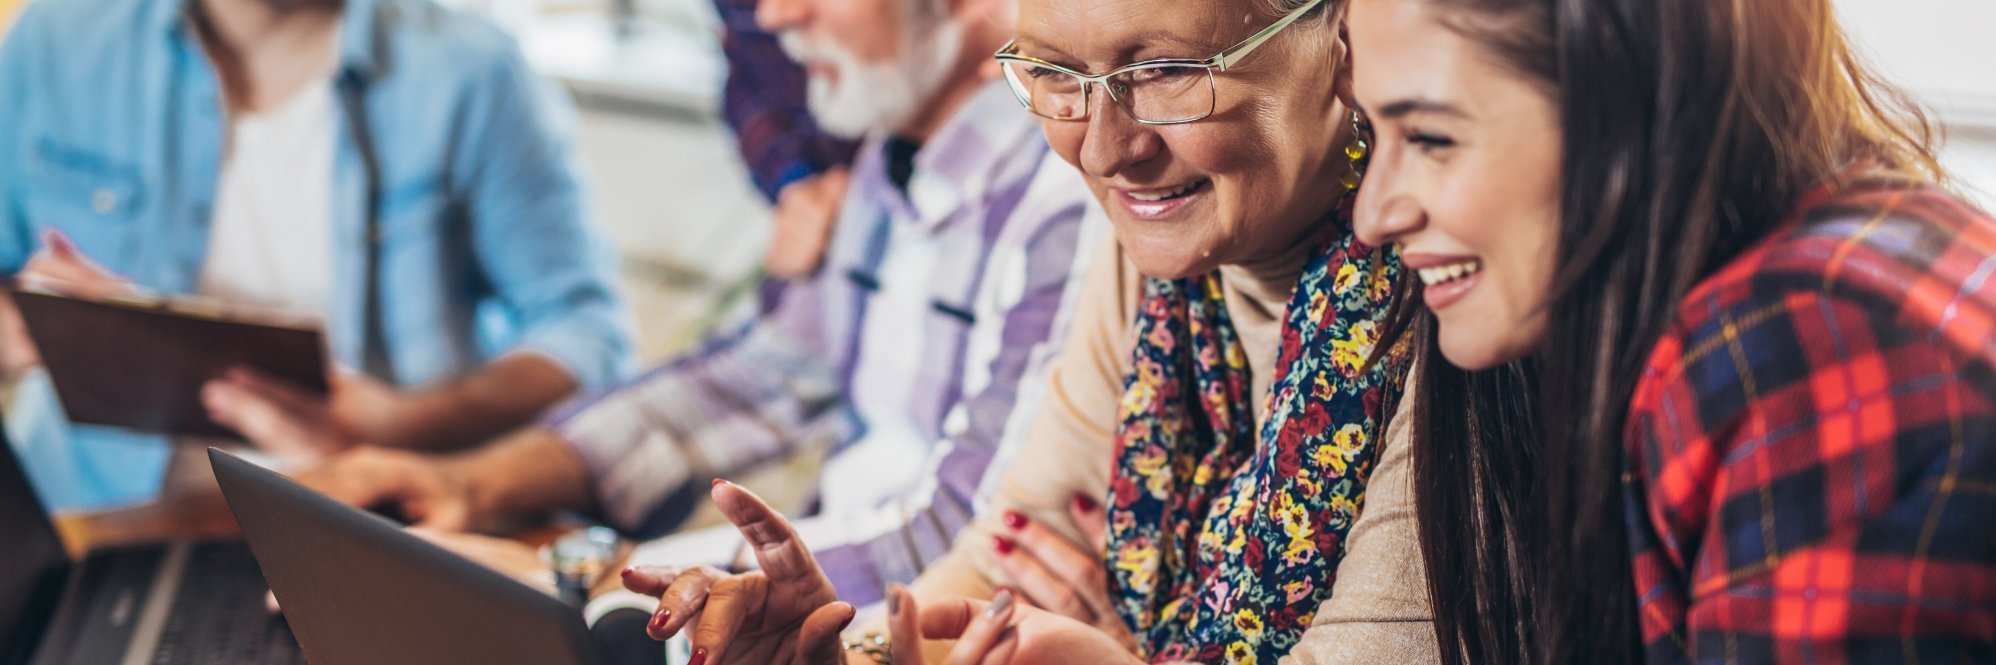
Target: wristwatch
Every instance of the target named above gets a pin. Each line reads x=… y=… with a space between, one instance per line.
x=578 y=559
x=873 y=646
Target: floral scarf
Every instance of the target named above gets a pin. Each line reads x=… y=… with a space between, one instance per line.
x=1223 y=545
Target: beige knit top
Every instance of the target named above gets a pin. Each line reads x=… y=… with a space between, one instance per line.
x=1378 y=612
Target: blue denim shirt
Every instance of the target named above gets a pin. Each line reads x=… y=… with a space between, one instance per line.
x=112 y=128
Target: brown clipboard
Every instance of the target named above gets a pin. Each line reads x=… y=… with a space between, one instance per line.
x=139 y=363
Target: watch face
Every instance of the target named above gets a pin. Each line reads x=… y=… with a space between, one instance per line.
x=583 y=554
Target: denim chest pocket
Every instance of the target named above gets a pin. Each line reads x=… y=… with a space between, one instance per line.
x=82 y=193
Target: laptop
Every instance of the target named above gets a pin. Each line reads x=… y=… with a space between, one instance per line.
x=357 y=590
x=177 y=602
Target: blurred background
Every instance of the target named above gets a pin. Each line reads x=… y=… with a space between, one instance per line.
x=646 y=75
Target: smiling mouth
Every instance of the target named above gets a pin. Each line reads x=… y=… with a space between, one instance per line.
x=1158 y=195
x=1453 y=272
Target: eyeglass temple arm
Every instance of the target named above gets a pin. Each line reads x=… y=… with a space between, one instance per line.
x=1223 y=61
x=1233 y=55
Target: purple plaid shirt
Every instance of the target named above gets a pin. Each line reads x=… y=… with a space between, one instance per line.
x=998 y=217
x=764 y=102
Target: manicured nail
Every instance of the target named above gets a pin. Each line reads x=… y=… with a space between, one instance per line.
x=1085 y=503
x=1001 y=544
x=999 y=604
x=699 y=657
x=628 y=572
x=659 y=620
x=1015 y=519
x=717 y=482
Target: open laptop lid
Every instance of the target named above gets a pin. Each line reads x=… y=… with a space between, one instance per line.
x=356 y=589
x=33 y=565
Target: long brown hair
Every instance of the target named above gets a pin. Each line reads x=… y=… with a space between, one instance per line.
x=1690 y=127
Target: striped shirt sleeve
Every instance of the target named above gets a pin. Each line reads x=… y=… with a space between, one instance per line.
x=744 y=398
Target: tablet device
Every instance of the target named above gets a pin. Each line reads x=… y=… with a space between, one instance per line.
x=139 y=362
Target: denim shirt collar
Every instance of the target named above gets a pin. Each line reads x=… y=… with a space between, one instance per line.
x=360 y=38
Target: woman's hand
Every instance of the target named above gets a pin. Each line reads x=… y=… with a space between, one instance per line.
x=785 y=613
x=1055 y=574
x=997 y=632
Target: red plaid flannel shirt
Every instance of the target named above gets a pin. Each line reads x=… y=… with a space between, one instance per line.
x=1812 y=448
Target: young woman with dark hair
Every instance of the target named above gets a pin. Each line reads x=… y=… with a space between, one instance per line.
x=1708 y=363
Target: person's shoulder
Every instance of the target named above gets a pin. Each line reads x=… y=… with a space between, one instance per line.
x=1875 y=292
x=1885 y=242
x=438 y=38
x=1876 y=261
x=89 y=15
x=1035 y=198
x=1881 y=225
x=82 y=29
x=990 y=146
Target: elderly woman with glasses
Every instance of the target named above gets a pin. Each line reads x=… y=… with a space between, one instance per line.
x=1211 y=477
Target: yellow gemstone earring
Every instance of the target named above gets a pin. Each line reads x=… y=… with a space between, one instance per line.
x=1359 y=148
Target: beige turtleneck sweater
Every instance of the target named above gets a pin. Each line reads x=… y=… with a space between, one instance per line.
x=1378 y=612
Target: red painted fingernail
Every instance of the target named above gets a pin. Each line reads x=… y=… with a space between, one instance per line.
x=628 y=572
x=1015 y=519
x=1001 y=544
x=1085 y=503
x=658 y=620
x=699 y=657
x=717 y=482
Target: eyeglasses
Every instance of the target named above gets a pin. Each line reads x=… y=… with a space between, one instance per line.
x=1167 y=91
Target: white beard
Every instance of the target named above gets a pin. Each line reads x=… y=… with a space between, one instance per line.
x=876 y=97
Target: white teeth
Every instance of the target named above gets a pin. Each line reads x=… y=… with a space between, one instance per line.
x=1151 y=197
x=1451 y=272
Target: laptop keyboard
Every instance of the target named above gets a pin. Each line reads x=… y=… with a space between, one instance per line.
x=219 y=616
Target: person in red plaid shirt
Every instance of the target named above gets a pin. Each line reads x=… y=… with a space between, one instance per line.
x=1707 y=371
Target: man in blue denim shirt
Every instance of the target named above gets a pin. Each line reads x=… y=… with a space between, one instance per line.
x=489 y=299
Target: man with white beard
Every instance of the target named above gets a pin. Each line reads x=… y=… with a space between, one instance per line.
x=922 y=339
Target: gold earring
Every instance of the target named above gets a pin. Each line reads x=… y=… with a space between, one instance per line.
x=1357 y=151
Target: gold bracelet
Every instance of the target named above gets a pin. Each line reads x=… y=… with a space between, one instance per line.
x=871 y=645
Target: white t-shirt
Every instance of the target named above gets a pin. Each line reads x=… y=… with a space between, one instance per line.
x=271 y=241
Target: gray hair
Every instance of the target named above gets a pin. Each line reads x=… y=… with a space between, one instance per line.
x=1281 y=7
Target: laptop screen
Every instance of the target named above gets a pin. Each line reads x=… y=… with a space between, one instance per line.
x=33 y=565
